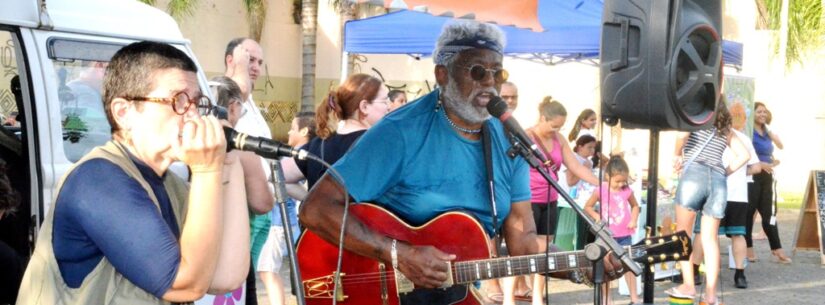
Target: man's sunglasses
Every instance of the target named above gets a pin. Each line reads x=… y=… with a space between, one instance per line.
x=479 y=72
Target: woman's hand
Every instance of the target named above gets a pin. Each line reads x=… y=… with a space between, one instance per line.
x=677 y=164
x=203 y=146
x=766 y=167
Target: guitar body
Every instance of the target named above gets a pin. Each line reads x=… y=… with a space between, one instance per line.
x=366 y=281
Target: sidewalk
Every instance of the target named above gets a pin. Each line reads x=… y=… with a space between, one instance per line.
x=802 y=282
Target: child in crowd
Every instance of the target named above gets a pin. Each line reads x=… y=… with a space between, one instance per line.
x=619 y=211
x=585 y=125
x=585 y=149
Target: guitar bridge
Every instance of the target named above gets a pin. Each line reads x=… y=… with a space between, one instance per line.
x=324 y=288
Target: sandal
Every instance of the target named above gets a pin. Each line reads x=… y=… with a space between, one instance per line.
x=526 y=296
x=678 y=294
x=496 y=297
x=783 y=259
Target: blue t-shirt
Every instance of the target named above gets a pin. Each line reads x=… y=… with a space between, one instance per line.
x=101 y=211
x=413 y=163
x=763 y=146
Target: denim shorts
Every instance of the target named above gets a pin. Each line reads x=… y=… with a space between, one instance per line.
x=624 y=240
x=703 y=189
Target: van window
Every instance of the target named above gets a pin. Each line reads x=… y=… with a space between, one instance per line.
x=79 y=67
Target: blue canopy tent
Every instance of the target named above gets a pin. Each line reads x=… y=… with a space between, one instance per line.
x=570 y=34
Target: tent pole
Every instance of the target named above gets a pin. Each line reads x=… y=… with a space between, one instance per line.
x=344 y=66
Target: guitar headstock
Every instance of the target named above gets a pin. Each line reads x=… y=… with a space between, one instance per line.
x=656 y=249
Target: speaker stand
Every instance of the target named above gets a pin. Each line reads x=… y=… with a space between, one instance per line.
x=652 y=190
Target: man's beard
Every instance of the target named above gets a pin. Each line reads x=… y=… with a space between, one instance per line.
x=463 y=107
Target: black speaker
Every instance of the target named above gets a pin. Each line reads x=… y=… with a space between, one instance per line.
x=661 y=63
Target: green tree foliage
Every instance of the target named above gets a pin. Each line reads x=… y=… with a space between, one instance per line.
x=178 y=9
x=256 y=13
x=806 y=26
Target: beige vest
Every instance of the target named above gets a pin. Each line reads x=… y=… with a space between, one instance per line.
x=43 y=284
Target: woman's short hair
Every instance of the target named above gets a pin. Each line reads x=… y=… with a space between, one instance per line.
x=131 y=71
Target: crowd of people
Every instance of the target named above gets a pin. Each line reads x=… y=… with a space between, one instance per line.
x=173 y=235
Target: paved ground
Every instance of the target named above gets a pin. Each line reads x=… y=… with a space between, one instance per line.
x=802 y=282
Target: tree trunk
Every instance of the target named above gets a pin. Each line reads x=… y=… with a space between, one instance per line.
x=256 y=12
x=309 y=26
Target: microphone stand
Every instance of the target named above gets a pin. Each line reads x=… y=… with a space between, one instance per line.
x=604 y=240
x=281 y=198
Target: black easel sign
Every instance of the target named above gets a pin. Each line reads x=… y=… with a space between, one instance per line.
x=812 y=216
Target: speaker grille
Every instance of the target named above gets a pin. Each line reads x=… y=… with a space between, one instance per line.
x=695 y=74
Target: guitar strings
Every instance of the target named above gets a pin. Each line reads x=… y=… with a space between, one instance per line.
x=465 y=267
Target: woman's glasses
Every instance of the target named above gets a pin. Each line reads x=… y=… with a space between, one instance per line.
x=479 y=72
x=180 y=102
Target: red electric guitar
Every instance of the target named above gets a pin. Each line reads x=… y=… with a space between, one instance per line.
x=364 y=281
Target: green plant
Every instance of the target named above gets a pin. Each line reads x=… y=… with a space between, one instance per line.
x=790 y=200
x=806 y=26
x=178 y=9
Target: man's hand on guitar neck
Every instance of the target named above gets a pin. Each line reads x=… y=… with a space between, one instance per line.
x=425 y=266
x=613 y=269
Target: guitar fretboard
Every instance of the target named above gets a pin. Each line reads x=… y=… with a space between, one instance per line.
x=471 y=271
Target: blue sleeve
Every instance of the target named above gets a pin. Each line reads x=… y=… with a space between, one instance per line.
x=117 y=215
x=373 y=164
x=520 y=188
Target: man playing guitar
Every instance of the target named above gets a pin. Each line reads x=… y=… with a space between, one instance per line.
x=426 y=159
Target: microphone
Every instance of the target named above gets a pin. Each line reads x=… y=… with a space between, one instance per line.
x=263 y=147
x=498 y=108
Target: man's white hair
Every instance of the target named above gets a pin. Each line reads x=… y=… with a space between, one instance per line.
x=462 y=30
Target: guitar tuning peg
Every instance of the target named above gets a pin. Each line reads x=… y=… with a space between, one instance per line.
x=652 y=269
x=659 y=230
x=650 y=259
x=672 y=227
x=648 y=231
x=663 y=266
x=676 y=256
x=677 y=266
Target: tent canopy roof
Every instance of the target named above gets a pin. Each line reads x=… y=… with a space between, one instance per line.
x=416 y=33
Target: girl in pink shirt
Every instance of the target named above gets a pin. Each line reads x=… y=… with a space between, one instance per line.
x=619 y=211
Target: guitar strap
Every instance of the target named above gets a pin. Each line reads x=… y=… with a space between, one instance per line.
x=488 y=162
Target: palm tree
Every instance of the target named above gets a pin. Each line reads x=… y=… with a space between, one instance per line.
x=802 y=24
x=256 y=13
x=178 y=9
x=309 y=26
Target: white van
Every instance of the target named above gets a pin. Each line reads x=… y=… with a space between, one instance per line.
x=56 y=50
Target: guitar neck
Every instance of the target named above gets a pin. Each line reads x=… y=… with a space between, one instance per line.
x=471 y=271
